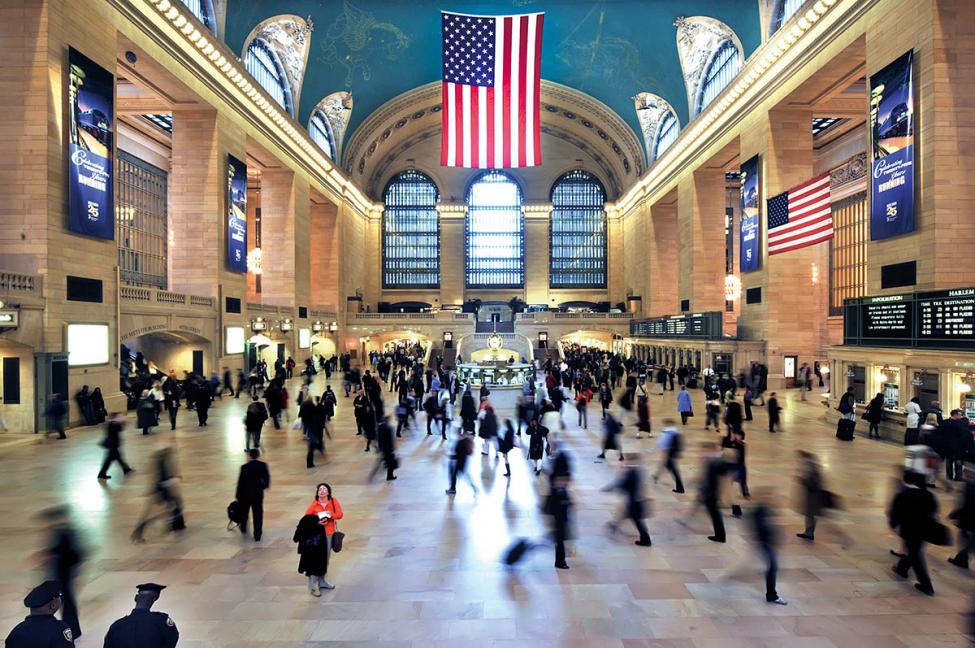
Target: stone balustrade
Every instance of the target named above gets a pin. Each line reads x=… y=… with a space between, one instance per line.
x=165 y=297
x=20 y=283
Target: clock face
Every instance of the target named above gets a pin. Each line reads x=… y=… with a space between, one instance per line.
x=495 y=342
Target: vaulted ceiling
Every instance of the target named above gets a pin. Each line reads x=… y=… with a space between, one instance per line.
x=379 y=49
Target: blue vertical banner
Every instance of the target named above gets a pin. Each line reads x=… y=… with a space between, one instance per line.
x=892 y=144
x=749 y=258
x=91 y=147
x=236 y=215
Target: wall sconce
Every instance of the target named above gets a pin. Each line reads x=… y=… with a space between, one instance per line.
x=965 y=386
x=258 y=324
x=850 y=373
x=286 y=325
x=333 y=327
x=888 y=374
x=732 y=287
x=317 y=327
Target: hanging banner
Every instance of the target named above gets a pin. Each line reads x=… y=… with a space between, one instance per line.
x=91 y=137
x=749 y=259
x=236 y=215
x=892 y=142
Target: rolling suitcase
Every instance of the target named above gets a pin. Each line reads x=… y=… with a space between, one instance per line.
x=844 y=429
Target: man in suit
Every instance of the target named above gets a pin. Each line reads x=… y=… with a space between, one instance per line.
x=715 y=469
x=253 y=481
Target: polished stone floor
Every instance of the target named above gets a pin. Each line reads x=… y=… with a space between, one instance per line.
x=422 y=569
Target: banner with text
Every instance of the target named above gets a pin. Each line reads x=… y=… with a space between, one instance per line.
x=91 y=127
x=236 y=215
x=892 y=143
x=750 y=235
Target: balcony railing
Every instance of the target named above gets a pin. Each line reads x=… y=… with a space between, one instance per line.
x=166 y=297
x=550 y=316
x=21 y=283
x=445 y=316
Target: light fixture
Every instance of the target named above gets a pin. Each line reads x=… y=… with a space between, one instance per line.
x=850 y=373
x=965 y=386
x=317 y=326
x=255 y=261
x=732 y=287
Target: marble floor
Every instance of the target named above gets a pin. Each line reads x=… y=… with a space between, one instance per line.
x=422 y=569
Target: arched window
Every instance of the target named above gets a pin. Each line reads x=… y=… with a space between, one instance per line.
x=495 y=233
x=321 y=133
x=411 y=232
x=577 y=232
x=667 y=133
x=784 y=9
x=203 y=10
x=724 y=65
x=264 y=66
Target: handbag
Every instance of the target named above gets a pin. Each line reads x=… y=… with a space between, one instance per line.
x=936 y=533
x=690 y=413
x=337 y=539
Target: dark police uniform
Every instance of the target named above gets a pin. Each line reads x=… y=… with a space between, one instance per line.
x=143 y=628
x=41 y=630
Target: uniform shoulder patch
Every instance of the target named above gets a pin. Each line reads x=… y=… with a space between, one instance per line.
x=67 y=634
x=170 y=622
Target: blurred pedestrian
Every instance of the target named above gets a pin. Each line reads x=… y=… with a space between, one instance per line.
x=911 y=514
x=767 y=539
x=774 y=413
x=558 y=506
x=164 y=501
x=672 y=445
x=254 y=420
x=611 y=432
x=113 y=446
x=964 y=519
x=630 y=483
x=463 y=449
x=684 y=406
x=64 y=556
x=387 y=449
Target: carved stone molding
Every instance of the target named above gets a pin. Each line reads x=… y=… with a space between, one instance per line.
x=852 y=170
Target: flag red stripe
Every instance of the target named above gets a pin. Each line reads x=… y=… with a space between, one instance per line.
x=444 y=131
x=489 y=107
x=822 y=227
x=825 y=236
x=506 y=87
x=522 y=91
x=475 y=128
x=459 y=121
x=538 y=82
x=798 y=188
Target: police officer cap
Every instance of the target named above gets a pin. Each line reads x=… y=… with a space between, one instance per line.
x=43 y=594
x=150 y=587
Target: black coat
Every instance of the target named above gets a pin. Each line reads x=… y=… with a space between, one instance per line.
x=536 y=443
x=113 y=436
x=964 y=515
x=310 y=536
x=40 y=631
x=143 y=629
x=254 y=479
x=911 y=512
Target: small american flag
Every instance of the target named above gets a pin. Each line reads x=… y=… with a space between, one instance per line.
x=490 y=91
x=800 y=217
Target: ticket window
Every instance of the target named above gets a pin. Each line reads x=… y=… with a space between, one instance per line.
x=968 y=405
x=926 y=388
x=722 y=363
x=891 y=394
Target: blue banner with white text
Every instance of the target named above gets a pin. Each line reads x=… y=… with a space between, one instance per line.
x=892 y=142
x=91 y=135
x=236 y=215
x=749 y=258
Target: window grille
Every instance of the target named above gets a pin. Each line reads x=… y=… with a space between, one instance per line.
x=203 y=10
x=848 y=251
x=263 y=64
x=141 y=221
x=667 y=133
x=577 y=232
x=320 y=131
x=724 y=66
x=411 y=232
x=784 y=9
x=495 y=233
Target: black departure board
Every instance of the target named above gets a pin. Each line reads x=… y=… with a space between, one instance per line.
x=946 y=318
x=943 y=319
x=700 y=326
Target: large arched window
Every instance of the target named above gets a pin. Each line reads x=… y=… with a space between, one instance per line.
x=203 y=10
x=264 y=65
x=320 y=131
x=723 y=67
x=495 y=233
x=577 y=232
x=411 y=232
x=782 y=11
x=667 y=133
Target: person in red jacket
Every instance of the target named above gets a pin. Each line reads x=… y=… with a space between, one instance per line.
x=329 y=511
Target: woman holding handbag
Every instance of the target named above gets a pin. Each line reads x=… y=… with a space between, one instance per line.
x=314 y=560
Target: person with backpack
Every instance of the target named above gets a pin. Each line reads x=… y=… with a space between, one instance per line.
x=672 y=445
x=329 y=401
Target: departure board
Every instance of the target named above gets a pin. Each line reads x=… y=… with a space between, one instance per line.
x=946 y=318
x=701 y=326
x=933 y=320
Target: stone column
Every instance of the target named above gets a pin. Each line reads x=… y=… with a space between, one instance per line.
x=451 y=253
x=662 y=260
x=323 y=242
x=700 y=229
x=285 y=211
x=537 y=251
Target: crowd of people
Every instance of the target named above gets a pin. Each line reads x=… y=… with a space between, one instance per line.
x=623 y=386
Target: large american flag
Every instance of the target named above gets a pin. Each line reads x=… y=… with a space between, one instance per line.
x=491 y=91
x=800 y=217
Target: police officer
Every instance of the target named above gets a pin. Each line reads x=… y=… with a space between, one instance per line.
x=41 y=629
x=143 y=628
